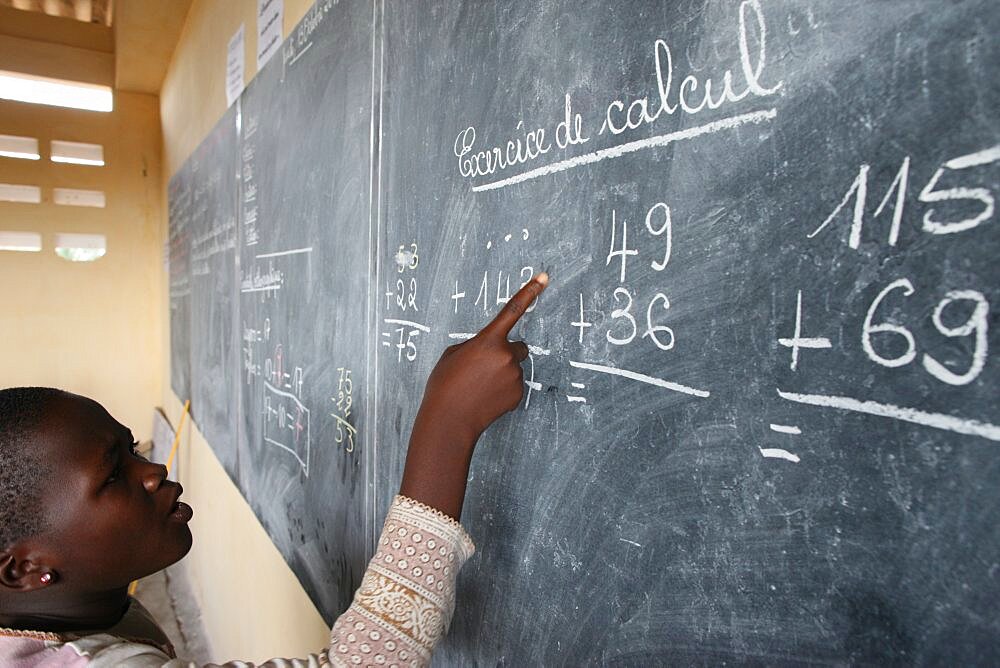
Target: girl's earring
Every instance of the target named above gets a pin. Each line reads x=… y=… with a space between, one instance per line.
x=45 y=578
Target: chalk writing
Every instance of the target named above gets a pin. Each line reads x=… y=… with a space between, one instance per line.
x=346 y=431
x=251 y=234
x=693 y=95
x=976 y=325
x=400 y=300
x=982 y=198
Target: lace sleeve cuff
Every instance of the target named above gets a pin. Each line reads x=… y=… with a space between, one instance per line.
x=407 y=595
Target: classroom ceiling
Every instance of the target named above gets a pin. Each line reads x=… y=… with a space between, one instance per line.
x=146 y=32
x=80 y=40
x=88 y=11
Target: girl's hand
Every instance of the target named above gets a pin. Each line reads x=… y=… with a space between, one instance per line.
x=473 y=384
x=477 y=381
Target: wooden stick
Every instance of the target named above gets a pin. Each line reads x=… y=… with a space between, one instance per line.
x=177 y=436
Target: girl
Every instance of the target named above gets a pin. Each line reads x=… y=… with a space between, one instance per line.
x=82 y=516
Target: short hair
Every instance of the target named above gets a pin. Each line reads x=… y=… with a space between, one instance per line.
x=22 y=469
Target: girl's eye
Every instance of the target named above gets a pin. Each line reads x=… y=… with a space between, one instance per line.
x=114 y=474
x=132 y=451
x=118 y=468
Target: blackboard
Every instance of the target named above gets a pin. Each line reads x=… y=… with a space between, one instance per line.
x=304 y=258
x=178 y=253
x=212 y=175
x=760 y=416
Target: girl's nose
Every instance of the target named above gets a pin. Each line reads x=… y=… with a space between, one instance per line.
x=153 y=476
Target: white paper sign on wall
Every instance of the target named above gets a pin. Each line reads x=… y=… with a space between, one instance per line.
x=235 y=59
x=269 y=17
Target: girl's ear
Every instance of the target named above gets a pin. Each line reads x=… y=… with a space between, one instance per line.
x=23 y=575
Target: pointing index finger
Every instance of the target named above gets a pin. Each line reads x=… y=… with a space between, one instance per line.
x=518 y=304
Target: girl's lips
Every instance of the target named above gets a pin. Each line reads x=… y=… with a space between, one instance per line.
x=181 y=512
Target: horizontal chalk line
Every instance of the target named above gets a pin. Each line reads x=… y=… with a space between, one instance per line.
x=631 y=147
x=975 y=159
x=300 y=54
x=779 y=453
x=465 y=336
x=935 y=420
x=407 y=323
x=785 y=429
x=817 y=342
x=642 y=378
x=294 y=251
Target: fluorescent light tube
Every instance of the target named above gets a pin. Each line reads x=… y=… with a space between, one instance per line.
x=55 y=92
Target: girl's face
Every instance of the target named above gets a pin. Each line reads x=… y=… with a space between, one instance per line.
x=111 y=515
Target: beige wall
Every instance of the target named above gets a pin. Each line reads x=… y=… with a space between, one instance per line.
x=92 y=328
x=252 y=605
x=102 y=328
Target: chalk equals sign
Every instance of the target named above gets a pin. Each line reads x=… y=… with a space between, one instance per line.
x=781 y=453
x=574 y=398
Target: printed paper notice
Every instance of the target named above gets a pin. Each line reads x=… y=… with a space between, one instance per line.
x=234 y=67
x=269 y=15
